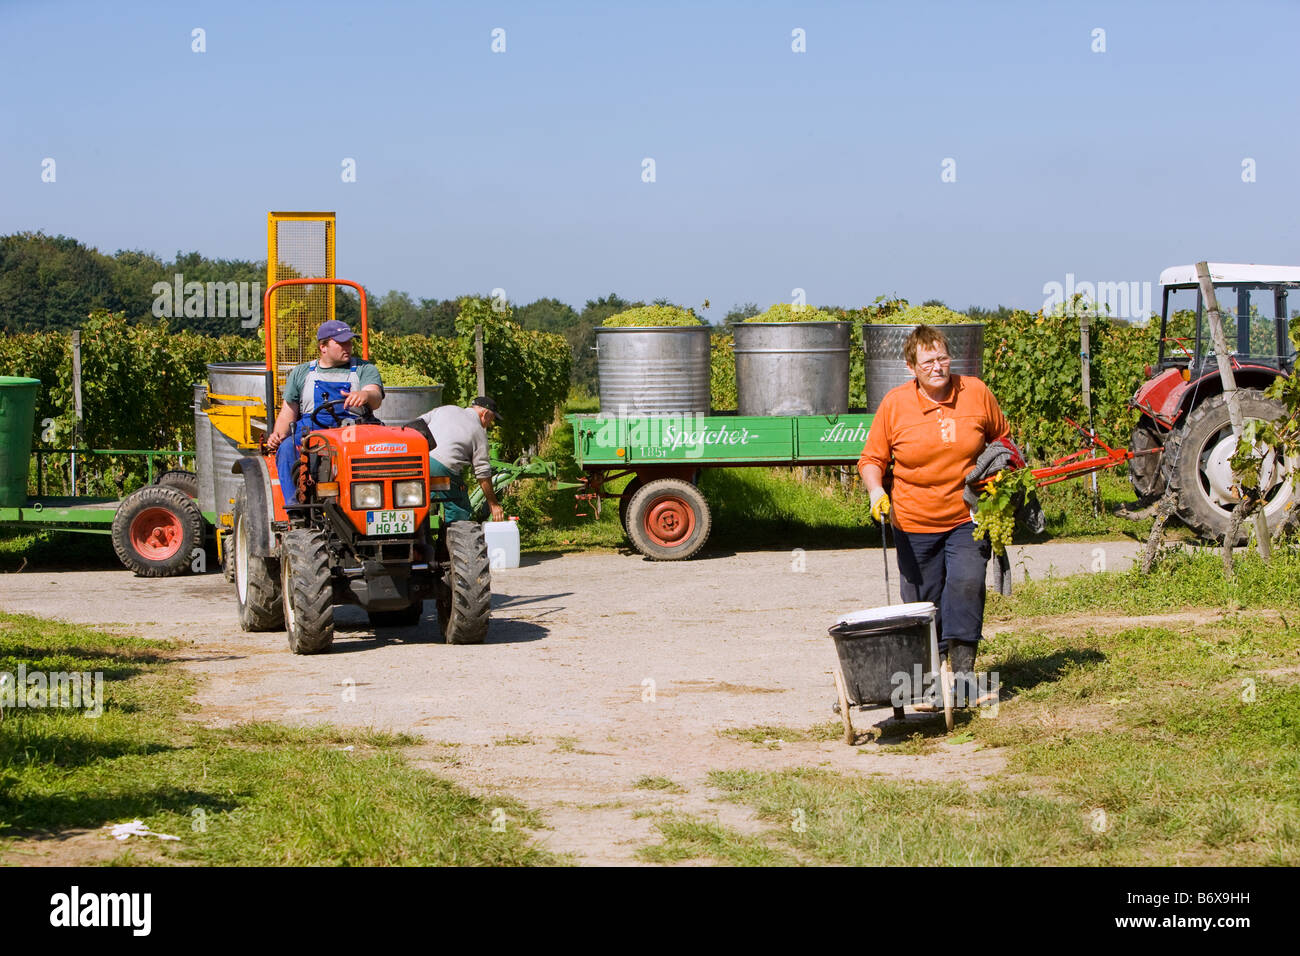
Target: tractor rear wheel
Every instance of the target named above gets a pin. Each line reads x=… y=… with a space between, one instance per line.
x=668 y=520
x=464 y=593
x=308 y=591
x=1197 y=467
x=257 y=579
x=156 y=532
x=186 y=482
x=1145 y=472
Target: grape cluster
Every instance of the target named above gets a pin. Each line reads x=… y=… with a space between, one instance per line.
x=997 y=526
x=995 y=518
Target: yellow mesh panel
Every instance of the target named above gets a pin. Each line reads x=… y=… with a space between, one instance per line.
x=300 y=245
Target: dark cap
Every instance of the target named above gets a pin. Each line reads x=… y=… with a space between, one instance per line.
x=484 y=402
x=333 y=329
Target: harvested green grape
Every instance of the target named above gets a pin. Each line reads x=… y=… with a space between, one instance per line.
x=402 y=376
x=995 y=516
x=647 y=316
x=785 y=312
x=922 y=315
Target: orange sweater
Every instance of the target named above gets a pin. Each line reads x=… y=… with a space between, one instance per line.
x=932 y=446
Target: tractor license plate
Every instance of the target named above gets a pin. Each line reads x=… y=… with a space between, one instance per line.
x=390 y=522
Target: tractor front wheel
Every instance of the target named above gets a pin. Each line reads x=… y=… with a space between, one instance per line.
x=1198 y=467
x=464 y=593
x=156 y=532
x=668 y=519
x=308 y=591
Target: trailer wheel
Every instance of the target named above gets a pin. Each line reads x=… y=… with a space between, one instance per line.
x=156 y=531
x=1197 y=455
x=464 y=592
x=308 y=591
x=631 y=489
x=186 y=482
x=668 y=520
x=257 y=580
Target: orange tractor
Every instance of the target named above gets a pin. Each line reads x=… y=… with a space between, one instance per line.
x=363 y=531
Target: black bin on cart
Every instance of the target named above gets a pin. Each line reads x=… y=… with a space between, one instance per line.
x=887 y=656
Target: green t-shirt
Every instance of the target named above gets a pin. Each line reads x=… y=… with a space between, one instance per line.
x=367 y=374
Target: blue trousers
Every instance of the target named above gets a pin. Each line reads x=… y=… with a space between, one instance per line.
x=286 y=455
x=946 y=568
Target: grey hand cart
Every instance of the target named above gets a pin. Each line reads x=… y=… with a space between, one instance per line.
x=890 y=656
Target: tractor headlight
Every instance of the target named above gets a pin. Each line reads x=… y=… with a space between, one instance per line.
x=409 y=494
x=367 y=495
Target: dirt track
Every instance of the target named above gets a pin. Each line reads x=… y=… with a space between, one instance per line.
x=599 y=669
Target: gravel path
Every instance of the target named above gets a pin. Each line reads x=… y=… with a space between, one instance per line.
x=599 y=669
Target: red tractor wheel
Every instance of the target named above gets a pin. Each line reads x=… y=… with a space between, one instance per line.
x=668 y=520
x=156 y=531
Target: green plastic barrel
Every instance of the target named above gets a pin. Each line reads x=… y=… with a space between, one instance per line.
x=17 y=415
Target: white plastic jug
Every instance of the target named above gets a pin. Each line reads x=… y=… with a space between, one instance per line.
x=502 y=544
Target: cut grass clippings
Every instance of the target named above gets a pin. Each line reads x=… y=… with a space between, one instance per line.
x=1173 y=745
x=250 y=795
x=766 y=734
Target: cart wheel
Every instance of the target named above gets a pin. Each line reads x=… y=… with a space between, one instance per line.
x=156 y=531
x=186 y=482
x=946 y=682
x=900 y=713
x=846 y=716
x=668 y=520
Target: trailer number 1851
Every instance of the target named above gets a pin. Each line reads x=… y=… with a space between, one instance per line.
x=390 y=522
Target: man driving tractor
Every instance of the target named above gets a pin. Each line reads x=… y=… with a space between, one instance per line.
x=335 y=376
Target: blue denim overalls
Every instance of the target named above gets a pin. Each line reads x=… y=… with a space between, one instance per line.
x=320 y=386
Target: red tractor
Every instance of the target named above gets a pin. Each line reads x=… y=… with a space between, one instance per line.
x=1182 y=404
x=364 y=532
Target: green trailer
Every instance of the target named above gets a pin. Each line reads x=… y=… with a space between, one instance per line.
x=663 y=512
x=157 y=530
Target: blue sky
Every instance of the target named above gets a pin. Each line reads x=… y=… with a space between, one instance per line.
x=774 y=170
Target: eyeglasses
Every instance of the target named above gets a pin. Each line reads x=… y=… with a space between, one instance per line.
x=942 y=360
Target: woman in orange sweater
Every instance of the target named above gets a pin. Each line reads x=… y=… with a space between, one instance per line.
x=931 y=431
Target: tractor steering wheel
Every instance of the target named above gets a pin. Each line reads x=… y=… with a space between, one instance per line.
x=334 y=408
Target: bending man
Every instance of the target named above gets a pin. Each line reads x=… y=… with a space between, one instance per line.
x=460 y=440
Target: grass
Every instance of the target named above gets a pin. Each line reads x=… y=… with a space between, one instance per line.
x=1183 y=578
x=686 y=838
x=1124 y=745
x=662 y=784
x=767 y=733
x=21 y=549
x=255 y=794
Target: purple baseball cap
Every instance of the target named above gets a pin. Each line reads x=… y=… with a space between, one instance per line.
x=333 y=329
